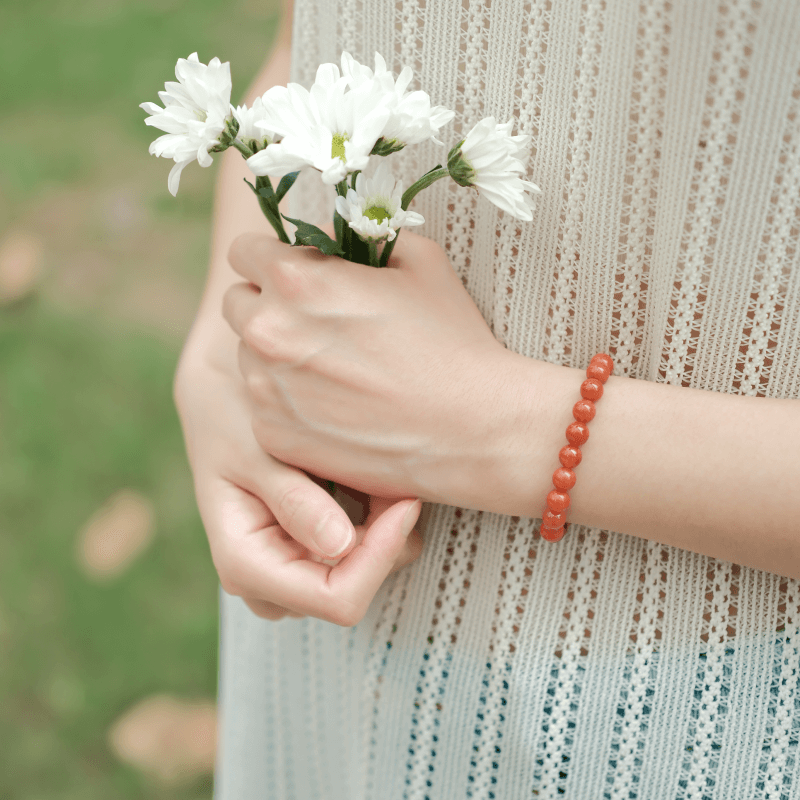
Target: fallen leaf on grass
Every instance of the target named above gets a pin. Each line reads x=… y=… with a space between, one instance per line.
x=116 y=535
x=173 y=740
x=20 y=266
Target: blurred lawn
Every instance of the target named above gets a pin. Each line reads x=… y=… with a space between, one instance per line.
x=86 y=364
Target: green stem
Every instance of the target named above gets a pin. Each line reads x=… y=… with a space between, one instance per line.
x=423 y=183
x=387 y=250
x=373 y=255
x=346 y=242
x=408 y=195
x=270 y=208
x=242 y=148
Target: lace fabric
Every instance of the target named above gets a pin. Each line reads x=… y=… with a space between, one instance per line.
x=666 y=142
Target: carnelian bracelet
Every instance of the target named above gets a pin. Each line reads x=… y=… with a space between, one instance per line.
x=554 y=517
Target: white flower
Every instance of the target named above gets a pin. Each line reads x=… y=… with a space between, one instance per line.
x=413 y=119
x=490 y=160
x=251 y=129
x=328 y=127
x=373 y=209
x=196 y=111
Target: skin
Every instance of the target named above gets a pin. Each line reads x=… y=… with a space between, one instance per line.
x=262 y=517
x=390 y=380
x=416 y=399
x=366 y=374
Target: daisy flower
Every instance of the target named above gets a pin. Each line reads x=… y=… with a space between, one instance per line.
x=196 y=114
x=252 y=132
x=326 y=127
x=490 y=160
x=373 y=209
x=413 y=119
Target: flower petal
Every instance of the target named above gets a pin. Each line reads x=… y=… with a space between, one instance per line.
x=175 y=176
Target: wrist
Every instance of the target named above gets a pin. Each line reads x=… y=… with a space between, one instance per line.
x=540 y=400
x=506 y=464
x=210 y=345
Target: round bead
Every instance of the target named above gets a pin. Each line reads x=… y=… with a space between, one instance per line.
x=557 y=501
x=570 y=456
x=591 y=389
x=552 y=534
x=563 y=479
x=551 y=520
x=577 y=433
x=584 y=411
x=604 y=358
x=598 y=371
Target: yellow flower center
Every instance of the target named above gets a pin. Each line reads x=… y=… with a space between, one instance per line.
x=337 y=145
x=378 y=213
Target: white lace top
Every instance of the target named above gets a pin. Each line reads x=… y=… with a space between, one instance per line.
x=667 y=146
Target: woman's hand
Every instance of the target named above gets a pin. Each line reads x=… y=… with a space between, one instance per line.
x=268 y=524
x=382 y=379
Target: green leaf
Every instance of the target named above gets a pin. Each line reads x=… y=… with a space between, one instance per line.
x=255 y=191
x=338 y=227
x=287 y=181
x=310 y=235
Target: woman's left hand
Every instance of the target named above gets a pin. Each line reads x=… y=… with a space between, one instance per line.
x=385 y=380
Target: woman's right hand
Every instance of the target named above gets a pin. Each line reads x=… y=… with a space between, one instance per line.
x=270 y=526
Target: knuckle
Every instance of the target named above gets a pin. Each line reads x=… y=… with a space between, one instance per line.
x=289 y=507
x=229 y=586
x=226 y=570
x=254 y=334
x=261 y=334
x=346 y=614
x=292 y=279
x=247 y=246
x=228 y=305
x=259 y=385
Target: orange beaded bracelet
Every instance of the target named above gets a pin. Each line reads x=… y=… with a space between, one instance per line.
x=554 y=517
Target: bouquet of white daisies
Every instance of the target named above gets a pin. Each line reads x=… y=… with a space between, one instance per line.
x=345 y=120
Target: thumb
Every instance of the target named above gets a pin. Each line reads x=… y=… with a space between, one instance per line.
x=356 y=579
x=412 y=546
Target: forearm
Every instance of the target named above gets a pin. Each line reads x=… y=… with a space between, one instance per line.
x=235 y=211
x=714 y=473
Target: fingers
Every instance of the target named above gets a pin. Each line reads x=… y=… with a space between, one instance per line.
x=303 y=509
x=307 y=512
x=240 y=306
x=411 y=552
x=249 y=252
x=358 y=577
x=339 y=594
x=413 y=543
x=266 y=610
x=255 y=527
x=252 y=254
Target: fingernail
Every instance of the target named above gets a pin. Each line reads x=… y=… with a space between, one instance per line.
x=333 y=536
x=410 y=519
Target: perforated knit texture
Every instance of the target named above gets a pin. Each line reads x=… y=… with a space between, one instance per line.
x=666 y=141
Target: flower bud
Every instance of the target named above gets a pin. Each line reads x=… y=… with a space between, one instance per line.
x=227 y=136
x=385 y=147
x=460 y=169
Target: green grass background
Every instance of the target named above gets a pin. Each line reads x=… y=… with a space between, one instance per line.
x=86 y=365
